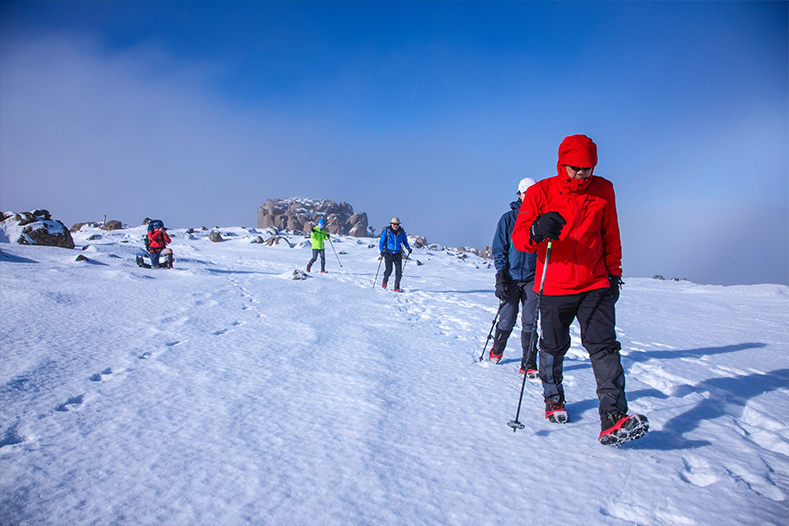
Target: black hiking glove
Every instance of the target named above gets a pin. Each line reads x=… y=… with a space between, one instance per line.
x=615 y=283
x=547 y=226
x=409 y=251
x=501 y=285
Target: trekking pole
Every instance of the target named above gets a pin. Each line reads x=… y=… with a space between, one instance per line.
x=515 y=424
x=404 y=264
x=335 y=252
x=490 y=334
x=380 y=260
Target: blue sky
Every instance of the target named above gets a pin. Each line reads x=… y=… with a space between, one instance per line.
x=197 y=112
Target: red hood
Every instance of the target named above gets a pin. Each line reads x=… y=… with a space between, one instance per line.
x=577 y=150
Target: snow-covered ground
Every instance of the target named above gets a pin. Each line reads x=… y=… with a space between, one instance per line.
x=223 y=392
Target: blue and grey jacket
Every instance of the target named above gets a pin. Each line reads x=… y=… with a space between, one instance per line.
x=517 y=265
x=391 y=241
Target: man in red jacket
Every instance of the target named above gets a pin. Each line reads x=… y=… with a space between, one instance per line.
x=157 y=244
x=576 y=212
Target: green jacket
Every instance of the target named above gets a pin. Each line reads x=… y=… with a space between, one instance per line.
x=319 y=236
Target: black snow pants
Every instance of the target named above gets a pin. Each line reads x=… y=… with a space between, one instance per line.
x=520 y=294
x=596 y=316
x=397 y=260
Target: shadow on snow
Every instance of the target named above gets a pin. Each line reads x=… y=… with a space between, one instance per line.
x=727 y=396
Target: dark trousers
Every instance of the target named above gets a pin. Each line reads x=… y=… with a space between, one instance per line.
x=597 y=318
x=154 y=257
x=315 y=253
x=395 y=259
x=520 y=295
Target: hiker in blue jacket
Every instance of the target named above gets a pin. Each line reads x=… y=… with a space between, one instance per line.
x=393 y=239
x=514 y=286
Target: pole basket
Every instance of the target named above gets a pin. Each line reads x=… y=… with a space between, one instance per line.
x=515 y=425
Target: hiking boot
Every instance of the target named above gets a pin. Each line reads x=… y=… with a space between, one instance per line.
x=618 y=428
x=383 y=285
x=499 y=343
x=531 y=374
x=308 y=269
x=323 y=272
x=555 y=412
x=398 y=290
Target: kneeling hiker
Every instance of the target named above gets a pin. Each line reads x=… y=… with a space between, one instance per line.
x=156 y=245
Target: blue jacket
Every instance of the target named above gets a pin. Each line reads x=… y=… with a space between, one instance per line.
x=391 y=240
x=517 y=265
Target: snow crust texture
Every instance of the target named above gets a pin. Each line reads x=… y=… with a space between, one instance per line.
x=226 y=392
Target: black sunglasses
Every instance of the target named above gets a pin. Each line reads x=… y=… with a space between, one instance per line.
x=578 y=168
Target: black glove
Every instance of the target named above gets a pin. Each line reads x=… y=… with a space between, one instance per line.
x=409 y=251
x=615 y=283
x=501 y=285
x=547 y=226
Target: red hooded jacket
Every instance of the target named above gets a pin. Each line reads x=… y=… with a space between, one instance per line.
x=589 y=248
x=158 y=239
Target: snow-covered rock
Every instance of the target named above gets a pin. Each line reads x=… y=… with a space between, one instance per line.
x=34 y=228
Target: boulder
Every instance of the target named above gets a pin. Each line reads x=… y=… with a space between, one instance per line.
x=215 y=236
x=76 y=227
x=417 y=241
x=358 y=230
x=35 y=228
x=112 y=225
x=47 y=233
x=294 y=224
x=278 y=241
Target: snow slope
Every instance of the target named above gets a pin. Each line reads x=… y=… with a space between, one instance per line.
x=223 y=392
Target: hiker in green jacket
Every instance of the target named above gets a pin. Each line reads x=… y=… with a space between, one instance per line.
x=319 y=237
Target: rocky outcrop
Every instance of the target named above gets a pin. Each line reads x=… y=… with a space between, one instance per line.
x=417 y=241
x=278 y=241
x=299 y=214
x=35 y=228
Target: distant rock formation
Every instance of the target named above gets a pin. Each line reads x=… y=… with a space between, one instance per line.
x=300 y=214
x=77 y=226
x=35 y=228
